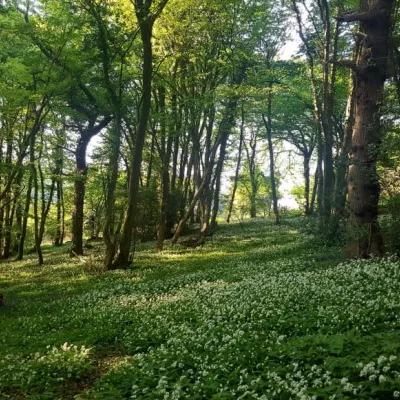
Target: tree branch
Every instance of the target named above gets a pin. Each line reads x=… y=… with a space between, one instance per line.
x=352 y=65
x=356 y=17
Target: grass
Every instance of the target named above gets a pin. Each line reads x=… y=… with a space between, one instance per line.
x=262 y=312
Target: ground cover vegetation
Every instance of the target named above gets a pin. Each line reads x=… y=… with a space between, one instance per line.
x=141 y=143
x=261 y=312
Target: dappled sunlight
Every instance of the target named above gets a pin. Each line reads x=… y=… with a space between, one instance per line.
x=229 y=312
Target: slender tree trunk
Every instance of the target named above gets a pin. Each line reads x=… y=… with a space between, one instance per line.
x=251 y=159
x=28 y=194
x=150 y=166
x=314 y=191
x=320 y=183
x=59 y=231
x=206 y=198
x=1 y=229
x=217 y=190
x=10 y=210
x=206 y=177
x=340 y=191
x=10 y=207
x=15 y=210
x=306 y=173
x=326 y=114
x=268 y=126
x=226 y=125
x=109 y=224
x=36 y=212
x=239 y=159
x=123 y=257
x=166 y=148
x=18 y=218
x=46 y=211
x=79 y=198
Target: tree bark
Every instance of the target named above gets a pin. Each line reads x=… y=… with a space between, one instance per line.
x=268 y=126
x=79 y=198
x=166 y=148
x=36 y=212
x=340 y=191
x=306 y=173
x=239 y=159
x=124 y=258
x=363 y=180
x=206 y=177
x=59 y=238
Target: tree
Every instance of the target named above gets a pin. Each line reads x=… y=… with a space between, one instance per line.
x=371 y=71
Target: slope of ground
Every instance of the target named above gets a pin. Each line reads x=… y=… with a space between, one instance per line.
x=262 y=312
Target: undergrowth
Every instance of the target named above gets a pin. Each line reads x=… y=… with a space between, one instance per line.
x=261 y=312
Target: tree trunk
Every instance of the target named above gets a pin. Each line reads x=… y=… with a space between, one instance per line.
x=268 y=126
x=217 y=190
x=59 y=237
x=80 y=183
x=79 y=198
x=36 y=213
x=109 y=224
x=314 y=191
x=123 y=258
x=206 y=177
x=239 y=159
x=46 y=211
x=320 y=183
x=371 y=73
x=343 y=160
x=58 y=240
x=150 y=166
x=166 y=148
x=306 y=173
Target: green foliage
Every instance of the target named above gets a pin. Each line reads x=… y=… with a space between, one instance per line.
x=390 y=224
x=298 y=193
x=149 y=212
x=261 y=312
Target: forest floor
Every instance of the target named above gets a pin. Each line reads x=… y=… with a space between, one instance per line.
x=261 y=312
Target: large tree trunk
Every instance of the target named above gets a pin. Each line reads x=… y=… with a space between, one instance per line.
x=371 y=72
